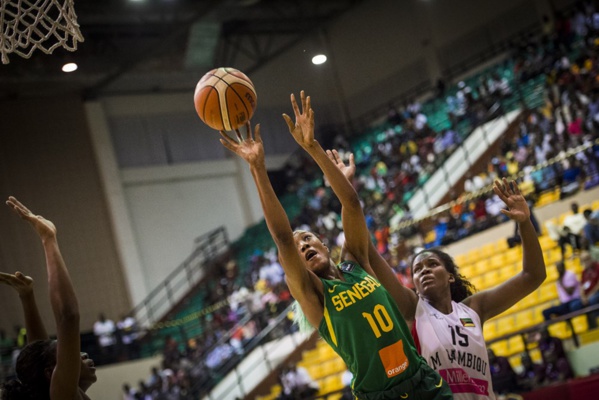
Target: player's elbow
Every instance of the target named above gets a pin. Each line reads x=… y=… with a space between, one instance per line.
x=353 y=203
x=536 y=278
x=283 y=239
x=67 y=314
x=68 y=321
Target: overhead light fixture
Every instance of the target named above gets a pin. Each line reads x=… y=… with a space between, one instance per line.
x=319 y=59
x=69 y=67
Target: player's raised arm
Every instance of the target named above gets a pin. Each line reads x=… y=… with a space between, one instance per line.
x=23 y=285
x=491 y=302
x=405 y=298
x=65 y=376
x=354 y=224
x=303 y=284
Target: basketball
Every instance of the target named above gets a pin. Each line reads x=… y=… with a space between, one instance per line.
x=225 y=99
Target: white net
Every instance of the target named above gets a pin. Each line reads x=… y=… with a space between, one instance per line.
x=26 y=25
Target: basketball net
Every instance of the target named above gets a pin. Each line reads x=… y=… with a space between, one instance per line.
x=26 y=25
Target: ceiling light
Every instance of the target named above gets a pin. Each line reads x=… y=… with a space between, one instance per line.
x=69 y=67
x=319 y=59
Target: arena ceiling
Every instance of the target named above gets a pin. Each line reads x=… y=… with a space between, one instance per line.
x=144 y=46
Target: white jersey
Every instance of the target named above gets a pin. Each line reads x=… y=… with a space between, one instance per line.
x=453 y=345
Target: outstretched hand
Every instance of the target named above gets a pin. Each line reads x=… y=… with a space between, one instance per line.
x=303 y=128
x=510 y=194
x=348 y=170
x=250 y=149
x=44 y=228
x=21 y=283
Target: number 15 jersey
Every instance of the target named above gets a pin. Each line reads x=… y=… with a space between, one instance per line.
x=453 y=345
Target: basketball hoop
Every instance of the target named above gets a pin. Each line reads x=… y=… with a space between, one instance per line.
x=26 y=25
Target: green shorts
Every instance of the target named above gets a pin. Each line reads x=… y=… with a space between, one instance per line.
x=426 y=384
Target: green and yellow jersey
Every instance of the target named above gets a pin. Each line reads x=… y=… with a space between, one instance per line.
x=364 y=326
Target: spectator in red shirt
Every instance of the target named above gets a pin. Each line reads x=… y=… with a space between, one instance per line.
x=590 y=286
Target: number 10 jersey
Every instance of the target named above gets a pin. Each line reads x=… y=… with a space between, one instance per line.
x=364 y=326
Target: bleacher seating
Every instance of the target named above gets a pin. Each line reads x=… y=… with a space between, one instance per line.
x=499 y=264
x=324 y=366
x=485 y=267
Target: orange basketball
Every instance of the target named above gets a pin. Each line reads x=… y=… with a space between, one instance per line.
x=225 y=99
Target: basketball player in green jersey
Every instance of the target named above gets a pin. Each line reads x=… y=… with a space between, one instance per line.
x=345 y=302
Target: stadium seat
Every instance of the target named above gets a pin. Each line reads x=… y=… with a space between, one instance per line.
x=514 y=309
x=548 y=197
x=500 y=348
x=560 y=330
x=573 y=264
x=430 y=237
x=490 y=278
x=310 y=357
x=466 y=270
x=330 y=384
x=487 y=250
x=547 y=243
x=530 y=300
x=516 y=361
x=513 y=255
x=515 y=345
x=580 y=324
x=316 y=371
x=480 y=267
x=473 y=256
x=338 y=365
x=497 y=261
x=537 y=315
x=524 y=319
x=327 y=353
x=505 y=325
x=501 y=245
x=477 y=281
x=461 y=259
x=562 y=217
x=507 y=272
x=490 y=330
x=548 y=292
x=536 y=356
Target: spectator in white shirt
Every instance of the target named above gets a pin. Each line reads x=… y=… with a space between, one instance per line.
x=571 y=230
x=105 y=329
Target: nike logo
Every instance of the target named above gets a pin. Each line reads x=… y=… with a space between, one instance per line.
x=331 y=290
x=404 y=396
x=440 y=383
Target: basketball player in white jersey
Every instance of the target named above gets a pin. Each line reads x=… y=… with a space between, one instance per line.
x=445 y=315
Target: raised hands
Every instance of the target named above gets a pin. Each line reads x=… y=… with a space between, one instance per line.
x=510 y=194
x=348 y=170
x=303 y=128
x=44 y=228
x=250 y=148
x=21 y=283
